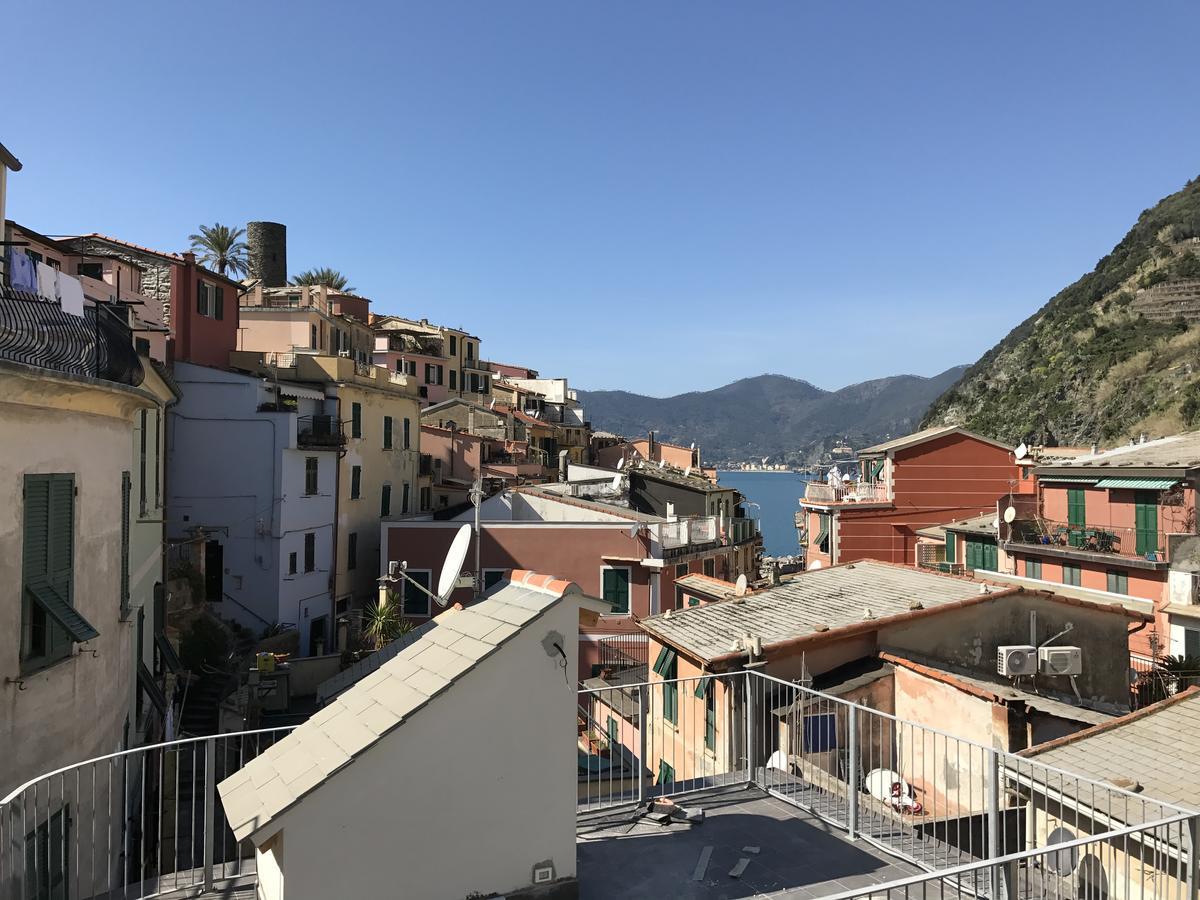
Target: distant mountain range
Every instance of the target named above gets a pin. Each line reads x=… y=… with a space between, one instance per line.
x=787 y=419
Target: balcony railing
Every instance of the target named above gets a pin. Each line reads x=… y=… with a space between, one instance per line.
x=742 y=530
x=979 y=821
x=685 y=532
x=146 y=822
x=850 y=492
x=1135 y=543
x=319 y=432
x=98 y=344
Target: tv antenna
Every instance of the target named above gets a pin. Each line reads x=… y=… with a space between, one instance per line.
x=448 y=581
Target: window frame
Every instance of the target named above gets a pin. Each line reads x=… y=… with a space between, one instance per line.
x=628 y=570
x=351 y=551
x=356 y=482
x=310 y=552
x=1117 y=581
x=385 y=500
x=312 y=476
x=387 y=432
x=356 y=420
x=1077 y=570
x=1037 y=563
x=56 y=644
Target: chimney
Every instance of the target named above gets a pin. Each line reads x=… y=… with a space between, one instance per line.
x=267 y=243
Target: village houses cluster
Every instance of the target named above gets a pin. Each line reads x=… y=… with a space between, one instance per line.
x=243 y=654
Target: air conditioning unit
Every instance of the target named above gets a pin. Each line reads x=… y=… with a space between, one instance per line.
x=344 y=354
x=1016 y=659
x=1060 y=661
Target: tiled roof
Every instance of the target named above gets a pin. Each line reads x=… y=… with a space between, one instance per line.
x=670 y=475
x=1179 y=451
x=811 y=605
x=1151 y=751
x=708 y=585
x=984 y=524
x=384 y=700
x=347 y=678
x=929 y=434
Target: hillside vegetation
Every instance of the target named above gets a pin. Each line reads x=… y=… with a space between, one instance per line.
x=783 y=418
x=1089 y=366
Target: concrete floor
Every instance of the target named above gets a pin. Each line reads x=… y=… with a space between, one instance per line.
x=800 y=856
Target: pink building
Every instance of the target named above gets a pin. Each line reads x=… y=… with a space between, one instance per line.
x=418 y=355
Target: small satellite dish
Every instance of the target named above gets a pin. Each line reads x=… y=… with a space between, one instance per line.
x=620 y=463
x=687 y=471
x=616 y=482
x=739 y=586
x=1022 y=451
x=693 y=447
x=996 y=523
x=452 y=565
x=816 y=564
x=1009 y=515
x=662 y=463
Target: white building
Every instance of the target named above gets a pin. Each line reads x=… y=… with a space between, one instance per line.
x=484 y=703
x=252 y=485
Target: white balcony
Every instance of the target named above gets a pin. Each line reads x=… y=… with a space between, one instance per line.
x=847 y=492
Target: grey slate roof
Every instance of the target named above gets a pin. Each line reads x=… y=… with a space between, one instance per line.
x=812 y=601
x=1154 y=748
x=919 y=437
x=1179 y=451
x=348 y=677
x=983 y=525
x=381 y=702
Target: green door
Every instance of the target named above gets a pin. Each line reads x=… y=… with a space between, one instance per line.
x=616 y=590
x=1145 y=521
x=1076 y=516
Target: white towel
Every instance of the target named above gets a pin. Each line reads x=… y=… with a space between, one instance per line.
x=47 y=282
x=70 y=291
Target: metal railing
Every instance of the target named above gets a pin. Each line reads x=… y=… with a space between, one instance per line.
x=1107 y=539
x=684 y=532
x=849 y=492
x=979 y=821
x=742 y=530
x=319 y=431
x=140 y=823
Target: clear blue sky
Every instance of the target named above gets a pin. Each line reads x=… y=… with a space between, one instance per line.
x=651 y=196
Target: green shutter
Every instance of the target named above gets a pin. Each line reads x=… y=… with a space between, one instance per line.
x=990 y=557
x=1145 y=520
x=355 y=482
x=387 y=432
x=876 y=470
x=36 y=555
x=951 y=546
x=616 y=589
x=385 y=503
x=125 y=491
x=199 y=296
x=1076 y=507
x=407 y=434
x=356 y=420
x=61 y=552
x=665 y=661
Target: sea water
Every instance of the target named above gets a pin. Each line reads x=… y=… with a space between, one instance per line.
x=777 y=495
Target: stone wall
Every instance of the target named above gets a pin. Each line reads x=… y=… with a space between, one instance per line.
x=1163 y=302
x=156 y=271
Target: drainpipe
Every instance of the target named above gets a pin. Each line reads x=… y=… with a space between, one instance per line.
x=332 y=635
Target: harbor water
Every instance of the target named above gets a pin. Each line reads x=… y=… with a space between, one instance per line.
x=777 y=495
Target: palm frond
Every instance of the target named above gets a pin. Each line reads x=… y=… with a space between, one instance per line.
x=331 y=278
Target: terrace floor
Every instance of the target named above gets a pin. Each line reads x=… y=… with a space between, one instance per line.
x=799 y=855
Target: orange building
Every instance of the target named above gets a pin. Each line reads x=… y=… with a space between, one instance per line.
x=927 y=478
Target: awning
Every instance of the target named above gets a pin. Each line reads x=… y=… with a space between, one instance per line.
x=1069 y=479
x=153 y=691
x=288 y=389
x=169 y=657
x=1139 y=484
x=824 y=532
x=56 y=606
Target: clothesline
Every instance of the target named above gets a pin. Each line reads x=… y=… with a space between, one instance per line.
x=44 y=280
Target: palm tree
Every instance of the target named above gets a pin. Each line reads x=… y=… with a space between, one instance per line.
x=331 y=278
x=384 y=622
x=221 y=247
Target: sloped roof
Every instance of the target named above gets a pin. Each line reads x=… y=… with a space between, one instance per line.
x=707 y=585
x=1178 y=451
x=383 y=701
x=8 y=160
x=928 y=434
x=813 y=604
x=348 y=677
x=1153 y=747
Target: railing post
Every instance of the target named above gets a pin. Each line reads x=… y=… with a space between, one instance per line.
x=643 y=740
x=852 y=772
x=749 y=694
x=993 y=820
x=210 y=809
x=1192 y=879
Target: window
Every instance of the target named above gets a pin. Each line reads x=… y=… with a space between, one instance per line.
x=1071 y=575
x=291 y=563
x=666 y=666
x=143 y=436
x=681 y=569
x=453 y=346
x=35 y=256
x=1145 y=522
x=48 y=858
x=470 y=350
x=352 y=550
x=710 y=568
x=407 y=434
x=126 y=489
x=429 y=373
x=615 y=589
x=416 y=603
x=453 y=380
x=356 y=420
x=951 y=547
x=1118 y=581
x=981 y=555
x=1033 y=568
x=404 y=500
x=210 y=300
x=310 y=552
x=311 y=471
x=440 y=372
x=1191 y=643
x=824 y=531
x=613 y=732
x=492 y=577
x=49 y=622
x=355 y=482
x=426 y=498
x=666 y=774
x=312 y=337
x=387 y=432
x=385 y=501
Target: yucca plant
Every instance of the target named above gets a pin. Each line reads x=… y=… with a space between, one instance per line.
x=384 y=622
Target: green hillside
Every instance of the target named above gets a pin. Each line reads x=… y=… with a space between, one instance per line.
x=1100 y=361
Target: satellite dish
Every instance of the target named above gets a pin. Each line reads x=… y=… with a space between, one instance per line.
x=816 y=564
x=1022 y=451
x=1009 y=515
x=687 y=471
x=620 y=463
x=693 y=447
x=996 y=523
x=452 y=565
x=616 y=482
x=739 y=587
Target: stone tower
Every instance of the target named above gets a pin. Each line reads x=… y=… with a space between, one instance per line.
x=267 y=242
